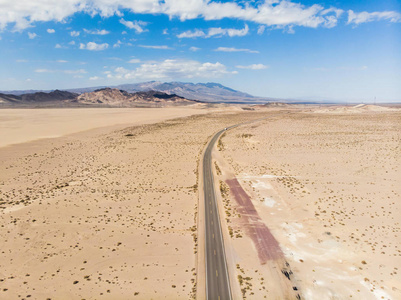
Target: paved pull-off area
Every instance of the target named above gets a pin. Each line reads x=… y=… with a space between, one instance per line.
x=217 y=281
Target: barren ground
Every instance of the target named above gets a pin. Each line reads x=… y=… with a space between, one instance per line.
x=111 y=213
x=23 y=125
x=327 y=184
x=104 y=214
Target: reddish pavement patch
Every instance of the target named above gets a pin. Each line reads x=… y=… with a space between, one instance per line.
x=265 y=243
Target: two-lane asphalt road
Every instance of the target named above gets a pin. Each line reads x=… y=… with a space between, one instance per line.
x=217 y=281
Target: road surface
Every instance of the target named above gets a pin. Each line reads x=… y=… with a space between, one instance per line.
x=217 y=281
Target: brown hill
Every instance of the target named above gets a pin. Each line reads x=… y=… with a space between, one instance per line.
x=116 y=97
x=56 y=95
x=9 y=99
x=101 y=97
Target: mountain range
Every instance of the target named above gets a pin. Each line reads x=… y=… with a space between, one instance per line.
x=101 y=97
x=207 y=92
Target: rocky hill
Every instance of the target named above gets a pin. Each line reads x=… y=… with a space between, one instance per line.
x=118 y=97
x=100 y=97
x=56 y=95
x=38 y=97
x=9 y=99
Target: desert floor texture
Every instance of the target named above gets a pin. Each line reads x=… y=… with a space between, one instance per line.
x=108 y=208
x=327 y=184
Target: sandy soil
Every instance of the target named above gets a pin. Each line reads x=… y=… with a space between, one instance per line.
x=105 y=214
x=22 y=125
x=327 y=184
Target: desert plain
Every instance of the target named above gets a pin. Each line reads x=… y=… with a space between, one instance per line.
x=104 y=203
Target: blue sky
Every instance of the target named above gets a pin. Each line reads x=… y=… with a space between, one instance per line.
x=333 y=50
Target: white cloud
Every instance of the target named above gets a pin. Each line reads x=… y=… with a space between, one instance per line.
x=162 y=47
x=117 y=44
x=71 y=43
x=364 y=17
x=58 y=46
x=97 y=31
x=61 y=61
x=261 y=29
x=231 y=49
x=134 y=61
x=75 y=33
x=93 y=46
x=94 y=78
x=136 y=25
x=192 y=34
x=338 y=12
x=194 y=49
x=215 y=31
x=253 y=67
x=172 y=69
x=51 y=30
x=32 y=35
x=238 y=32
x=23 y=13
x=165 y=31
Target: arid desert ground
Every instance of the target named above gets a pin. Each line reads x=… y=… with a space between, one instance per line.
x=104 y=203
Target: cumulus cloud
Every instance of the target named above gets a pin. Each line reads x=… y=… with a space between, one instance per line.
x=134 y=61
x=94 y=78
x=364 y=17
x=172 y=69
x=194 y=49
x=32 y=35
x=136 y=25
x=191 y=34
x=97 y=31
x=75 y=33
x=117 y=44
x=253 y=67
x=50 y=30
x=214 y=32
x=23 y=13
x=232 y=49
x=58 y=46
x=94 y=46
